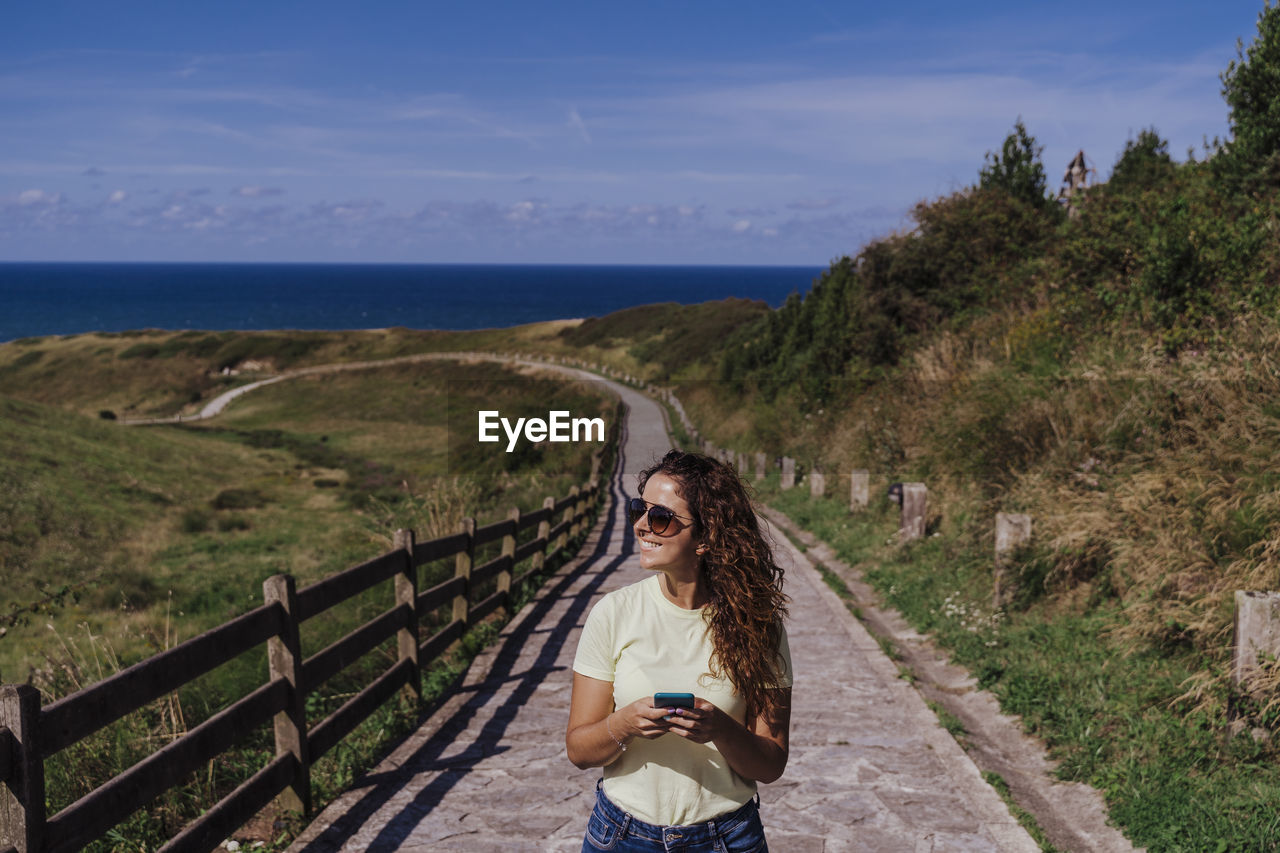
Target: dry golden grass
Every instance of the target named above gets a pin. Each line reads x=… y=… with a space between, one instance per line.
x=1151 y=479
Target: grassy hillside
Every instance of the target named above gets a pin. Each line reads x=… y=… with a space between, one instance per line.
x=1114 y=372
x=135 y=533
x=117 y=542
x=154 y=373
x=159 y=373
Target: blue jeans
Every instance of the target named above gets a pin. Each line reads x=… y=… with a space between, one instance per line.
x=610 y=828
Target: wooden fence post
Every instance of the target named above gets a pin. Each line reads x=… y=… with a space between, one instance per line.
x=1012 y=531
x=566 y=518
x=817 y=484
x=584 y=507
x=1257 y=631
x=760 y=457
x=596 y=459
x=509 y=551
x=914 y=507
x=462 y=569
x=407 y=596
x=22 y=814
x=575 y=510
x=544 y=530
x=788 y=472
x=284 y=660
x=859 y=489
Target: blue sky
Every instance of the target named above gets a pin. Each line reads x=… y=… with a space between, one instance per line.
x=692 y=132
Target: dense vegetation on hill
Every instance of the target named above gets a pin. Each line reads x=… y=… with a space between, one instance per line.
x=1113 y=369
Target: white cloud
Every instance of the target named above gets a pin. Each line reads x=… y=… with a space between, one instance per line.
x=257 y=192
x=117 y=197
x=28 y=198
x=741 y=225
x=576 y=123
x=813 y=204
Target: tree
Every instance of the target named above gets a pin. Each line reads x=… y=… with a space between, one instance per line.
x=1145 y=163
x=1017 y=169
x=1251 y=87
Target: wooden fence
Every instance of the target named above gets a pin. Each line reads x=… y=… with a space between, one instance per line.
x=29 y=733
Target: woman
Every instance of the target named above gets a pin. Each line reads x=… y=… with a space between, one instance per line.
x=708 y=622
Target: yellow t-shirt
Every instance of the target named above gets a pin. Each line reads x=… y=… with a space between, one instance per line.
x=645 y=644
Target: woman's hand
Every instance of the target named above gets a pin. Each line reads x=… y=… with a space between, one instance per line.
x=598 y=734
x=639 y=719
x=701 y=724
x=758 y=751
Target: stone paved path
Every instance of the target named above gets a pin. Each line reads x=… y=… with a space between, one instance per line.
x=870 y=767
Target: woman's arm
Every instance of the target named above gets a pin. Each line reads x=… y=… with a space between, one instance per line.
x=597 y=733
x=758 y=751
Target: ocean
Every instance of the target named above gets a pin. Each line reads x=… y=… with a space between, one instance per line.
x=59 y=299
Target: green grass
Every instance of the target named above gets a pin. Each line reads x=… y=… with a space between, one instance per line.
x=949 y=721
x=1024 y=817
x=833 y=580
x=1109 y=711
x=120 y=542
x=160 y=373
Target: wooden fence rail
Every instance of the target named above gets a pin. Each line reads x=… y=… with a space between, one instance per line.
x=30 y=734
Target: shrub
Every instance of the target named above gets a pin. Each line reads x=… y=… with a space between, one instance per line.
x=1144 y=163
x=1251 y=87
x=233 y=522
x=28 y=358
x=239 y=499
x=194 y=521
x=1017 y=169
x=140 y=351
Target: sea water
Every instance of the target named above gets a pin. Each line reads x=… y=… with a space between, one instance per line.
x=58 y=299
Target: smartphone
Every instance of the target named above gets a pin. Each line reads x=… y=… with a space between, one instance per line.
x=673 y=700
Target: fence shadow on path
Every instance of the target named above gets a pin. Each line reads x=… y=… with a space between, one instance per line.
x=429 y=757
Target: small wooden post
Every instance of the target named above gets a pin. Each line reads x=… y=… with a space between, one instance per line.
x=788 y=472
x=509 y=553
x=1257 y=631
x=1012 y=531
x=760 y=463
x=544 y=530
x=22 y=813
x=462 y=569
x=914 y=508
x=407 y=596
x=742 y=464
x=284 y=660
x=575 y=509
x=859 y=489
x=817 y=484
x=563 y=539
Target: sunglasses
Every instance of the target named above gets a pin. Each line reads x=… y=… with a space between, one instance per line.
x=659 y=516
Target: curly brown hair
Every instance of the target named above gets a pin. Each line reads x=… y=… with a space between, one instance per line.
x=747 y=605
